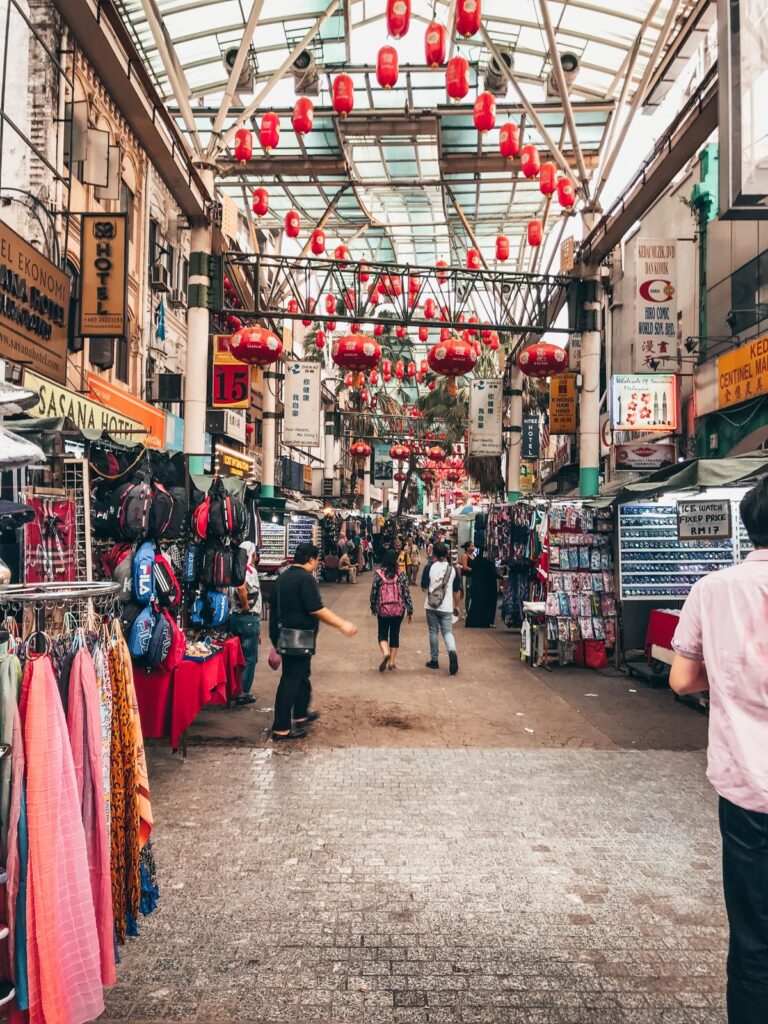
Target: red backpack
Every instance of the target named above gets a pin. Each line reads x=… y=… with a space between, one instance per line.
x=178 y=643
x=200 y=519
x=390 y=601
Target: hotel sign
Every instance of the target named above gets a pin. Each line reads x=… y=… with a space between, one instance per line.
x=104 y=275
x=34 y=308
x=92 y=418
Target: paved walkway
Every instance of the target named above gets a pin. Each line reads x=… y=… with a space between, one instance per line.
x=425 y=858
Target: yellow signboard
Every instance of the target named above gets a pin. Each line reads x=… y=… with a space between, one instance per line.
x=34 y=308
x=104 y=275
x=527 y=477
x=562 y=404
x=743 y=373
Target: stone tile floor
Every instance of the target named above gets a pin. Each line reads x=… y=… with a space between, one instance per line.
x=430 y=886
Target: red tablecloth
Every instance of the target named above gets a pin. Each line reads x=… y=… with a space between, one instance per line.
x=170 y=701
x=661 y=628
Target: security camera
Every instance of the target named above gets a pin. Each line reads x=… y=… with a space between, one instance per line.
x=570 y=63
x=496 y=81
x=306 y=81
x=245 y=82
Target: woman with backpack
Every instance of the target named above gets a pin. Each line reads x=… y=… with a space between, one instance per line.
x=390 y=600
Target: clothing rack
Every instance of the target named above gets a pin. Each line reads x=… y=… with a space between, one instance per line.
x=65 y=604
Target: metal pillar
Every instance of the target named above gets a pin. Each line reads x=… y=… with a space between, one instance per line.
x=513 y=452
x=589 y=404
x=367 y=486
x=269 y=433
x=198 y=326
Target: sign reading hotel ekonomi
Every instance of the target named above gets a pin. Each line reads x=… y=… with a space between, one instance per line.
x=104 y=275
x=743 y=373
x=34 y=308
x=149 y=418
x=55 y=402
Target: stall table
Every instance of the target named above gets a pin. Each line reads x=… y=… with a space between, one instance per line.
x=662 y=624
x=170 y=701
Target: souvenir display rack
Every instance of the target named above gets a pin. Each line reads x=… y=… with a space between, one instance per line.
x=302 y=529
x=272 y=542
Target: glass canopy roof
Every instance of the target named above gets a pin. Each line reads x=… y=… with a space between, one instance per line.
x=418 y=180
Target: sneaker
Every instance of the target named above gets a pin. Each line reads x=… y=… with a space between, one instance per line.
x=453 y=662
x=245 y=698
x=432 y=664
x=300 y=723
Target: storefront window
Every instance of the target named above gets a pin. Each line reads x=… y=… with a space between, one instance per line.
x=749 y=294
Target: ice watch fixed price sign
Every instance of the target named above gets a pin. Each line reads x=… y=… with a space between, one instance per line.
x=231 y=378
x=704 y=520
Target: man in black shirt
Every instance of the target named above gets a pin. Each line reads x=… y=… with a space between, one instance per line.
x=296 y=604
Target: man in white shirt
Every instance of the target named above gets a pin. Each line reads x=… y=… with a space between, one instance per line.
x=440 y=582
x=245 y=619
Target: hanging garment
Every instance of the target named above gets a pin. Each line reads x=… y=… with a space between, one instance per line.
x=124 y=829
x=84 y=721
x=10 y=691
x=142 y=773
x=62 y=939
x=101 y=665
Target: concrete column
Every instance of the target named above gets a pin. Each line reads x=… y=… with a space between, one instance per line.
x=328 y=454
x=515 y=439
x=269 y=433
x=198 y=328
x=367 y=486
x=589 y=405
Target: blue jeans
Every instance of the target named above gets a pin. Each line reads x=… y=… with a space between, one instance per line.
x=247 y=627
x=440 y=622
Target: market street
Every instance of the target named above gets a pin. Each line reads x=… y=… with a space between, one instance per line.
x=402 y=866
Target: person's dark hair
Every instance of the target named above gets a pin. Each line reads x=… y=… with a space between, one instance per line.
x=439 y=550
x=466 y=547
x=754 y=513
x=305 y=553
x=389 y=562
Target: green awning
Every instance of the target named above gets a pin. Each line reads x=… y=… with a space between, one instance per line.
x=683 y=476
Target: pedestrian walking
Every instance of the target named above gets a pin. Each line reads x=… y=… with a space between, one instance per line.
x=296 y=610
x=390 y=602
x=720 y=646
x=412 y=560
x=440 y=582
x=246 y=623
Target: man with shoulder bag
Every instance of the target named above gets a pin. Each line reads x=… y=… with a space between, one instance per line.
x=296 y=610
x=440 y=581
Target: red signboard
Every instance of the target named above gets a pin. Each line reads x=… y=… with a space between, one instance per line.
x=231 y=381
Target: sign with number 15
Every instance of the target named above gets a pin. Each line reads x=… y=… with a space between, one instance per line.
x=231 y=382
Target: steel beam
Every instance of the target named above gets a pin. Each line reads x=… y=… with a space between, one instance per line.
x=237 y=67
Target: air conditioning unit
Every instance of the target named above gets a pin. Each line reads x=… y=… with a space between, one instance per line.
x=245 y=82
x=496 y=81
x=159 y=279
x=177 y=299
x=306 y=81
x=571 y=64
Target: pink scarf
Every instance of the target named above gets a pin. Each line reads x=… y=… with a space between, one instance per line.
x=62 y=938
x=84 y=722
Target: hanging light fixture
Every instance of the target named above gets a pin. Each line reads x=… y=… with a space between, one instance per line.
x=502 y=248
x=566 y=193
x=341 y=254
x=509 y=140
x=450 y=359
x=535 y=232
x=423 y=333
x=468 y=14
x=318 y=242
x=484 y=112
x=343 y=94
x=435 y=44
x=303 y=115
x=243 y=145
x=457 y=78
x=548 y=178
x=530 y=163
x=260 y=202
x=256 y=346
x=292 y=224
x=398 y=17
x=387 y=67
x=473 y=259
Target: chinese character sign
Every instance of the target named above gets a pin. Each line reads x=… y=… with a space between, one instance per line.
x=743 y=373
x=656 y=301
x=485 y=415
x=301 y=425
x=644 y=402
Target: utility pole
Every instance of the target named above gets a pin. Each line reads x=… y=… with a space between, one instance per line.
x=516 y=433
x=198 y=328
x=591 y=344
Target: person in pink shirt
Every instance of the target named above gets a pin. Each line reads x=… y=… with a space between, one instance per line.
x=721 y=645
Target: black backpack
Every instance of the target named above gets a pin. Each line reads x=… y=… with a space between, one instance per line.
x=160 y=511
x=132 y=503
x=179 y=518
x=239 y=566
x=216 y=566
x=227 y=516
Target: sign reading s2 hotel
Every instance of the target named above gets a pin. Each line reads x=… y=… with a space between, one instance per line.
x=34 y=308
x=103 y=270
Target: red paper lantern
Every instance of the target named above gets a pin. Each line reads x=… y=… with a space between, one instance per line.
x=378 y=330
x=502 y=248
x=260 y=202
x=473 y=259
x=430 y=309
x=355 y=327
x=548 y=178
x=387 y=67
x=330 y=304
x=364 y=396
x=457 y=78
x=341 y=253
x=399 y=476
x=356 y=352
x=243 y=145
x=364 y=272
x=256 y=346
x=445 y=334
x=360 y=451
x=398 y=17
x=292 y=224
x=484 y=112
x=435 y=453
x=318 y=242
x=423 y=333
x=293 y=306
x=399 y=453
x=411 y=369
x=495 y=342
x=468 y=13
x=349 y=380
x=400 y=331
x=343 y=95
x=424 y=366
x=386 y=369
x=303 y=116
x=391 y=286
x=331 y=325
x=399 y=369
x=414 y=283
x=232 y=324
x=450 y=359
x=269 y=131
x=535 y=232
x=566 y=193
x=320 y=339
x=435 y=44
x=543 y=360
x=509 y=140
x=373 y=377
x=442 y=272
x=431 y=385
x=530 y=162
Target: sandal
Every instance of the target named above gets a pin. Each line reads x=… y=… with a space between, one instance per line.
x=392 y=668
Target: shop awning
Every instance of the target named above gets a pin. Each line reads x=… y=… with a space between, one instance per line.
x=16 y=452
x=694 y=475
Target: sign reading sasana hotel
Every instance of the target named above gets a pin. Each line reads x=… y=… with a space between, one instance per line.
x=104 y=275
x=34 y=308
x=56 y=402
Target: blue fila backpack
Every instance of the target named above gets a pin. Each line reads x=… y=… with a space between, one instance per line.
x=144 y=590
x=141 y=633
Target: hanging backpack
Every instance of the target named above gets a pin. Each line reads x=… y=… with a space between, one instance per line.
x=192 y=560
x=123 y=574
x=103 y=517
x=132 y=504
x=160 y=641
x=141 y=633
x=166 y=584
x=160 y=511
x=217 y=568
x=239 y=566
x=210 y=610
x=129 y=613
x=178 y=521
x=178 y=643
x=227 y=517
x=109 y=560
x=200 y=519
x=144 y=574
x=390 y=604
